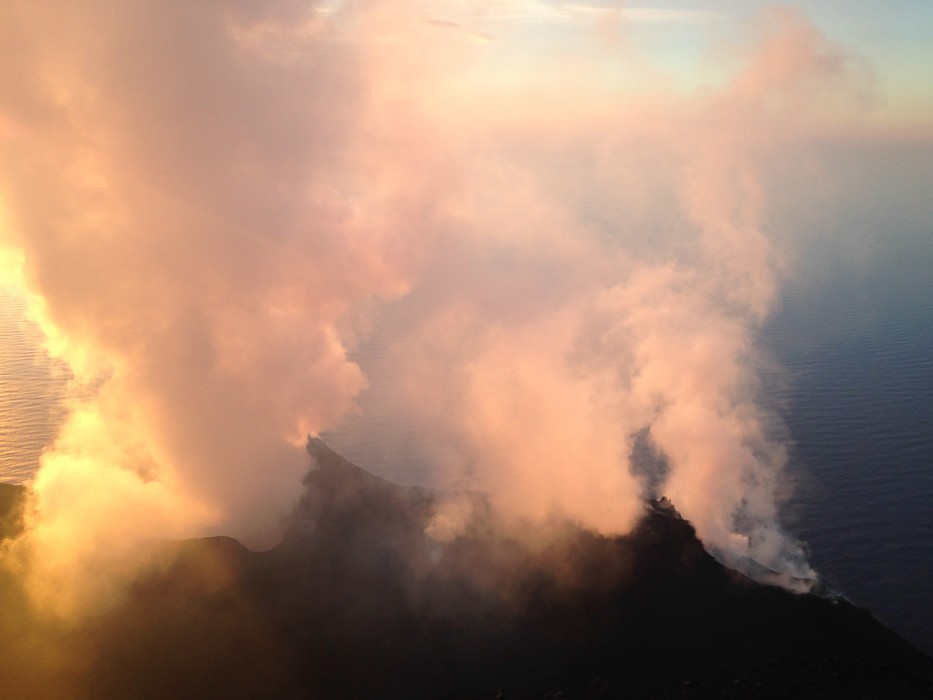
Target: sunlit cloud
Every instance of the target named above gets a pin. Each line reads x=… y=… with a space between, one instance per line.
x=214 y=207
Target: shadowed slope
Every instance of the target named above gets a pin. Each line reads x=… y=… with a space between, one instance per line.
x=359 y=602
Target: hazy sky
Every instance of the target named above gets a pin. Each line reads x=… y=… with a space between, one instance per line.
x=685 y=38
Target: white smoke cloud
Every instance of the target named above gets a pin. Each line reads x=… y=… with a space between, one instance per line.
x=211 y=201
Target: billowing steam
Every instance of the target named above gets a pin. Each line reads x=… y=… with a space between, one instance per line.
x=214 y=203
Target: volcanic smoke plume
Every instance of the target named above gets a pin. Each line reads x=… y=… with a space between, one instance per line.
x=214 y=204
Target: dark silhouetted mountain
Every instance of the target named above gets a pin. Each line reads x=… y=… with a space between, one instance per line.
x=359 y=602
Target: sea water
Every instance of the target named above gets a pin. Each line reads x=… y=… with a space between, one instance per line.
x=31 y=391
x=860 y=416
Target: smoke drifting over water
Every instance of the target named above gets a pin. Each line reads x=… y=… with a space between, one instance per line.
x=214 y=203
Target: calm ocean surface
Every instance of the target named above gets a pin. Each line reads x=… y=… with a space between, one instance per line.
x=860 y=414
x=31 y=387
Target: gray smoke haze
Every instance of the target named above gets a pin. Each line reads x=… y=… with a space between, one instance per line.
x=214 y=203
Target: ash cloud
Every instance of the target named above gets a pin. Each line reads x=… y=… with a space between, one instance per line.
x=216 y=205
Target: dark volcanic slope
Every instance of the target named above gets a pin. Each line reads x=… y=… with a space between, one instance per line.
x=358 y=602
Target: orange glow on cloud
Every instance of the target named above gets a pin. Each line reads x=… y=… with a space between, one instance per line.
x=207 y=201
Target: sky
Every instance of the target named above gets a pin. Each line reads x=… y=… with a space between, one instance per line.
x=891 y=40
x=571 y=207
